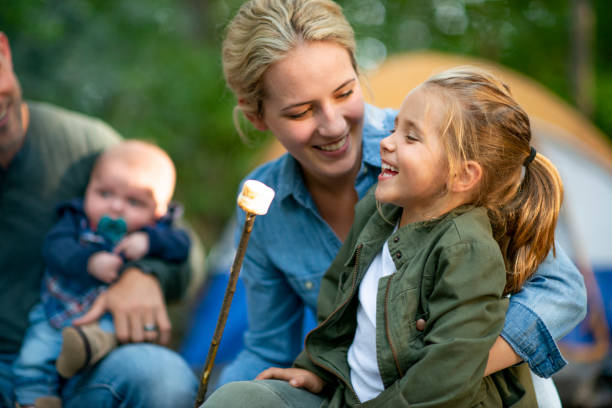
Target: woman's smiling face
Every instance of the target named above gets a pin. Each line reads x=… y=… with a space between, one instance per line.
x=314 y=106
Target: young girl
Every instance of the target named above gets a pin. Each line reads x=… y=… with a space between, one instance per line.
x=416 y=296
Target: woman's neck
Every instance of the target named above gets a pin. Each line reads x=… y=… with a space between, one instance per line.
x=335 y=199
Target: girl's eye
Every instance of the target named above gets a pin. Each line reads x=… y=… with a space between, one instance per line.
x=412 y=136
x=105 y=194
x=392 y=130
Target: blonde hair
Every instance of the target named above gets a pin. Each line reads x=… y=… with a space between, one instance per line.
x=264 y=31
x=523 y=198
x=149 y=165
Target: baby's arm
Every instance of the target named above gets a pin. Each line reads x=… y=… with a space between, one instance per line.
x=133 y=246
x=297 y=377
x=104 y=266
x=62 y=250
x=163 y=242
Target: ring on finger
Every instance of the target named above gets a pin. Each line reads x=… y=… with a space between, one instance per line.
x=150 y=327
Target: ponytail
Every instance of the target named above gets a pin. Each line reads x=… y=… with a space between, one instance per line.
x=527 y=226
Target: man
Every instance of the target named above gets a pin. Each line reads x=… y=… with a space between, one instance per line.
x=46 y=155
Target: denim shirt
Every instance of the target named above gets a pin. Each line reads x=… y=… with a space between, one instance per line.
x=291 y=247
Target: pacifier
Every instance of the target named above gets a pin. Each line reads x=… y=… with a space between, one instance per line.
x=112 y=229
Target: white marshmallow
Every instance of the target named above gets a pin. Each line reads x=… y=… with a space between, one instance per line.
x=255 y=197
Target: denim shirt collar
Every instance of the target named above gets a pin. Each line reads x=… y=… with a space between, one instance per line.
x=292 y=182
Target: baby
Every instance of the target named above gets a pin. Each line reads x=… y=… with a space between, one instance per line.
x=125 y=216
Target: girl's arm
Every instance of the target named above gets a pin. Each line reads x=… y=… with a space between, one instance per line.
x=548 y=306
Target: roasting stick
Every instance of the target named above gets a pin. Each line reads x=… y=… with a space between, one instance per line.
x=254 y=199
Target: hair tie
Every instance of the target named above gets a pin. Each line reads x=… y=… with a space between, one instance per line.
x=531 y=156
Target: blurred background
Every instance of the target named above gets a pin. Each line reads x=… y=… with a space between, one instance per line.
x=152 y=70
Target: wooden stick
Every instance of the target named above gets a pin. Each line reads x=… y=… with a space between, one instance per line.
x=227 y=300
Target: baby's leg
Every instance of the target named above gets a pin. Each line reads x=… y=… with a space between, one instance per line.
x=34 y=369
x=83 y=346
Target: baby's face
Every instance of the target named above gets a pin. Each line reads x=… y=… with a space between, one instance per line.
x=118 y=192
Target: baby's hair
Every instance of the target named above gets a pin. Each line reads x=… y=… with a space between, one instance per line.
x=521 y=190
x=150 y=163
x=264 y=31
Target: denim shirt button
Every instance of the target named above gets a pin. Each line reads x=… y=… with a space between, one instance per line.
x=398 y=254
x=396 y=239
x=308 y=285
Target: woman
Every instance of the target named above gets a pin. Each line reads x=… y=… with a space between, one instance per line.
x=291 y=66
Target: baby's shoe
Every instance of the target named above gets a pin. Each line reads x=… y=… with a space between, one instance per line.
x=82 y=347
x=49 y=401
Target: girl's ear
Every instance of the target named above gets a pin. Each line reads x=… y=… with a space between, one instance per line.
x=467 y=178
x=255 y=119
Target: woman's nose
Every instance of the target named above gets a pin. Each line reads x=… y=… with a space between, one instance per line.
x=331 y=121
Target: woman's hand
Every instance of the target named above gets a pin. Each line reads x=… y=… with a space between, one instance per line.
x=297 y=377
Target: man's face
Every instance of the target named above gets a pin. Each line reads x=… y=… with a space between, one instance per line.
x=12 y=130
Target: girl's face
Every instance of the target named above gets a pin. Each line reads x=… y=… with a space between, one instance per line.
x=414 y=168
x=314 y=106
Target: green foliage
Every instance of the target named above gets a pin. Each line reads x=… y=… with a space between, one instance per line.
x=152 y=68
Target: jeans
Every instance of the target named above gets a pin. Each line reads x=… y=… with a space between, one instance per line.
x=133 y=375
x=34 y=370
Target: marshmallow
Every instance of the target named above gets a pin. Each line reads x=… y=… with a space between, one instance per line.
x=255 y=197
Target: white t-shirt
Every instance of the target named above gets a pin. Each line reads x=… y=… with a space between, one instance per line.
x=365 y=375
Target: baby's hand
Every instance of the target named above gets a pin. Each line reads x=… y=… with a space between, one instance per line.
x=297 y=377
x=133 y=246
x=104 y=266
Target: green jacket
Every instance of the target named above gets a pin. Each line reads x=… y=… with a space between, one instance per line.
x=450 y=272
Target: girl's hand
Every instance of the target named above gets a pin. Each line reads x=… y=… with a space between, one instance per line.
x=297 y=377
x=104 y=266
x=133 y=246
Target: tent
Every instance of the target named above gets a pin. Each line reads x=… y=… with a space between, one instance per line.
x=582 y=154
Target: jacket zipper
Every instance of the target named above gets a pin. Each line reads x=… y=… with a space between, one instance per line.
x=336 y=374
x=388 y=330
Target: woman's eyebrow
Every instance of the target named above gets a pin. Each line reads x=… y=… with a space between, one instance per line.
x=345 y=83
x=294 y=105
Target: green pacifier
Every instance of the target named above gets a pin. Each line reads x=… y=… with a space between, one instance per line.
x=112 y=229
